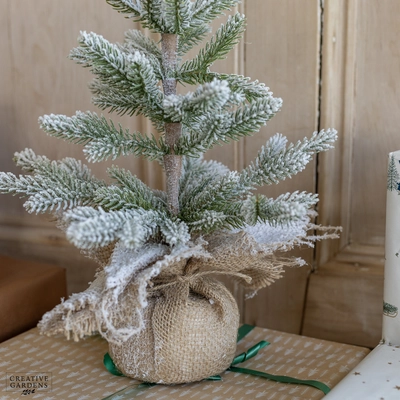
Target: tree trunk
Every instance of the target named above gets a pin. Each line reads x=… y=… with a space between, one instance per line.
x=173 y=130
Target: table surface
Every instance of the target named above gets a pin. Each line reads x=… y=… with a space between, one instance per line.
x=77 y=372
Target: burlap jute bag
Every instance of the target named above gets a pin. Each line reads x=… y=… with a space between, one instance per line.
x=189 y=334
x=164 y=313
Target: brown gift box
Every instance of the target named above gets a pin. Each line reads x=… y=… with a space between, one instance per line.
x=76 y=371
x=27 y=290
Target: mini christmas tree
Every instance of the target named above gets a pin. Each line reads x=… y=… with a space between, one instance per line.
x=157 y=249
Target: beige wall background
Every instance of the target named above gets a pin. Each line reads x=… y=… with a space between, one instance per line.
x=335 y=63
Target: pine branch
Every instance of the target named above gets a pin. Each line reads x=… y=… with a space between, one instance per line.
x=147 y=12
x=123 y=102
x=131 y=7
x=226 y=37
x=55 y=185
x=117 y=198
x=194 y=172
x=138 y=230
x=198 y=209
x=250 y=90
x=208 y=98
x=174 y=232
x=276 y=162
x=209 y=221
x=204 y=11
x=112 y=147
x=214 y=193
x=131 y=192
x=41 y=165
x=121 y=74
x=239 y=85
x=136 y=41
x=172 y=16
x=283 y=210
x=212 y=128
x=90 y=228
x=101 y=139
x=105 y=59
x=190 y=37
x=177 y=15
x=251 y=117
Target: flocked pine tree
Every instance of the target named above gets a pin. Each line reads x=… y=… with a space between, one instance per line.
x=156 y=245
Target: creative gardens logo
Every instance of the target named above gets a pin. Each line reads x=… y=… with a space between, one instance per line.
x=28 y=383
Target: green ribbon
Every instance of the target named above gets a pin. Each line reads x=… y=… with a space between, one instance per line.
x=252 y=352
x=110 y=366
x=282 y=379
x=131 y=390
x=243 y=331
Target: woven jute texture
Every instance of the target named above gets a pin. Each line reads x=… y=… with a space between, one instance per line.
x=166 y=317
x=189 y=334
x=115 y=302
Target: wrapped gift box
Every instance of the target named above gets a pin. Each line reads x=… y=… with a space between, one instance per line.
x=27 y=290
x=376 y=377
x=76 y=370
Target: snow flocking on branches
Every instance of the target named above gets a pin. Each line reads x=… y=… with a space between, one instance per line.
x=203 y=198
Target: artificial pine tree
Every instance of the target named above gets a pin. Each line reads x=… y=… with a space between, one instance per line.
x=158 y=250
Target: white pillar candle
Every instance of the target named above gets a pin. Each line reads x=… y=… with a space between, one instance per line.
x=391 y=295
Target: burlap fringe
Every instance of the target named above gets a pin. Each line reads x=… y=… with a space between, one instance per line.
x=129 y=277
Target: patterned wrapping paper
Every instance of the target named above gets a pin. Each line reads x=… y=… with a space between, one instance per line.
x=391 y=304
x=77 y=370
x=377 y=377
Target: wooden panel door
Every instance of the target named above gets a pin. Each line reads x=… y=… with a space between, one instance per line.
x=282 y=48
x=360 y=97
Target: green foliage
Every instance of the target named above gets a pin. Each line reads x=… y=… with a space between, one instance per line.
x=223 y=107
x=243 y=88
x=276 y=162
x=225 y=194
x=285 y=209
x=135 y=40
x=190 y=37
x=177 y=15
x=203 y=132
x=129 y=79
x=90 y=228
x=130 y=192
x=208 y=98
x=226 y=37
x=209 y=204
x=172 y=16
x=205 y=11
x=101 y=138
x=54 y=185
x=148 y=12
